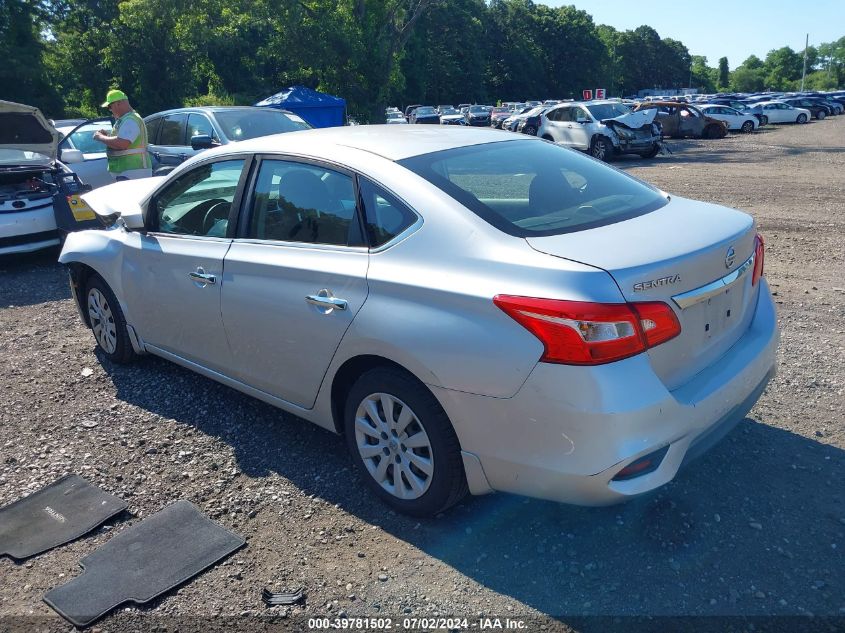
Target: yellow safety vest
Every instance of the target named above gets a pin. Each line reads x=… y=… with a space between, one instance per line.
x=135 y=156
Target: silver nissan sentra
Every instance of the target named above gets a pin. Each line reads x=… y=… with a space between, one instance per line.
x=473 y=311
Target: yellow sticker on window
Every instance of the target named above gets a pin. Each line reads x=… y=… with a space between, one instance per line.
x=80 y=210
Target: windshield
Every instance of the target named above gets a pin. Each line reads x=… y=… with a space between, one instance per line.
x=500 y=110
x=479 y=108
x=608 y=110
x=424 y=111
x=239 y=125
x=83 y=138
x=531 y=188
x=395 y=115
x=22 y=157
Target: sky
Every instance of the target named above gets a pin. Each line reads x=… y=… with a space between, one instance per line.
x=724 y=29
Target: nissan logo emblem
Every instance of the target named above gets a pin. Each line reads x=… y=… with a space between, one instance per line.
x=729 y=257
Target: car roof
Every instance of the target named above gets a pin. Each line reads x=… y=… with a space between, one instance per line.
x=392 y=142
x=208 y=109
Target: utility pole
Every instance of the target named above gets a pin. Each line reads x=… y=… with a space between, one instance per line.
x=804 y=73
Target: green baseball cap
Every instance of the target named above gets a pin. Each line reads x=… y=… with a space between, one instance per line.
x=112 y=96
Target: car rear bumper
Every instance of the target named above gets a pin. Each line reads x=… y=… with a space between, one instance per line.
x=570 y=430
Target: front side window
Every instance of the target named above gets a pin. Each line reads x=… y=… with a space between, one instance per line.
x=83 y=140
x=299 y=202
x=533 y=188
x=198 y=202
x=199 y=125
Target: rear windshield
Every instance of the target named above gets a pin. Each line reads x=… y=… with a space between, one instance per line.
x=532 y=188
x=239 y=125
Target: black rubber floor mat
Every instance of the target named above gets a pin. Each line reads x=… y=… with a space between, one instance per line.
x=57 y=514
x=143 y=562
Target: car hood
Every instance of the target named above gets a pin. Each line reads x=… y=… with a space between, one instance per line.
x=633 y=120
x=24 y=128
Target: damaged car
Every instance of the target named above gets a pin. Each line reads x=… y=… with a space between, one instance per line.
x=39 y=195
x=601 y=128
x=679 y=120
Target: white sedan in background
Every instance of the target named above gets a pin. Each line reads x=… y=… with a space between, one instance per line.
x=736 y=120
x=780 y=112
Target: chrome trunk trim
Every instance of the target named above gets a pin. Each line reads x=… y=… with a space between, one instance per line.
x=697 y=295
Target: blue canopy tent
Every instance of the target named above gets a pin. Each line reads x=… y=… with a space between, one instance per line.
x=318 y=108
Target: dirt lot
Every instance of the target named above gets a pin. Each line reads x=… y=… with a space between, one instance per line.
x=757 y=527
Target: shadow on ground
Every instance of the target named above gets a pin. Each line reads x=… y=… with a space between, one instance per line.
x=755 y=527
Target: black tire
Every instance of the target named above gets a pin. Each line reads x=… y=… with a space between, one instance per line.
x=447 y=483
x=821 y=115
x=747 y=127
x=97 y=290
x=530 y=130
x=655 y=149
x=764 y=120
x=802 y=118
x=601 y=149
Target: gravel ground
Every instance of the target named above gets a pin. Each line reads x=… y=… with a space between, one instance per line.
x=755 y=528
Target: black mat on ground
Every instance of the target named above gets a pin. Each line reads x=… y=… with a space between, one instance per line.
x=57 y=514
x=143 y=561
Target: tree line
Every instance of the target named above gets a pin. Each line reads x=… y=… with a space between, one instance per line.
x=63 y=55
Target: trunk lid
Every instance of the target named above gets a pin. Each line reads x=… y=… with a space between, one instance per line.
x=673 y=255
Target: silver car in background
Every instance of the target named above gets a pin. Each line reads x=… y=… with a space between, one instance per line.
x=473 y=311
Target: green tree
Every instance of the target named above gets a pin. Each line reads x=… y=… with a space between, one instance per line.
x=23 y=73
x=782 y=67
x=703 y=77
x=724 y=73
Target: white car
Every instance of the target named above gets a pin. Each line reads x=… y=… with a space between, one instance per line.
x=602 y=128
x=780 y=112
x=36 y=190
x=89 y=162
x=394 y=117
x=735 y=119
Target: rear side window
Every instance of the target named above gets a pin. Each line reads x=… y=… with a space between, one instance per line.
x=299 y=202
x=153 y=126
x=172 y=130
x=386 y=217
x=530 y=188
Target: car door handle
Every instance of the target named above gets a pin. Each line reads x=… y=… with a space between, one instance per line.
x=201 y=277
x=326 y=301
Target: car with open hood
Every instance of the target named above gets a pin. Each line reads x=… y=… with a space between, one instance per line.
x=602 y=128
x=471 y=310
x=39 y=195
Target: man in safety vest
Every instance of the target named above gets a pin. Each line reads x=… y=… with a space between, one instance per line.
x=126 y=145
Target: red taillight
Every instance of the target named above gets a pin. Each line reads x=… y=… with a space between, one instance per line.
x=759 y=256
x=584 y=333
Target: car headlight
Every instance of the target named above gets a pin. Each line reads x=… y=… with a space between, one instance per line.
x=623 y=133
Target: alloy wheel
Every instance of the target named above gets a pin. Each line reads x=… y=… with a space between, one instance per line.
x=394 y=446
x=102 y=320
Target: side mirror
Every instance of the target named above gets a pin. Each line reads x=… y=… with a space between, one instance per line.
x=203 y=141
x=71 y=156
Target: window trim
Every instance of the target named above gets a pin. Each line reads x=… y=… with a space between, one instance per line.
x=151 y=227
x=246 y=203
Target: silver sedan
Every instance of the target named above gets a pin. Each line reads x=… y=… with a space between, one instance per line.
x=472 y=311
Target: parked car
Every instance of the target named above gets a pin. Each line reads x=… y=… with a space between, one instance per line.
x=602 y=128
x=393 y=118
x=409 y=110
x=451 y=116
x=780 y=112
x=679 y=120
x=512 y=122
x=739 y=105
x=593 y=336
x=734 y=119
x=530 y=122
x=38 y=193
x=425 y=115
x=817 y=110
x=498 y=115
x=478 y=115
x=177 y=135
x=90 y=164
